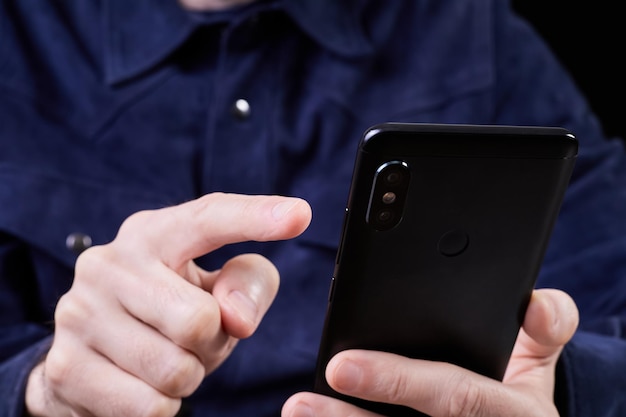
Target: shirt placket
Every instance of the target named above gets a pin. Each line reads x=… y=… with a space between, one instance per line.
x=238 y=157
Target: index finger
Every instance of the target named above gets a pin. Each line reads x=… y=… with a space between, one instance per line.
x=181 y=233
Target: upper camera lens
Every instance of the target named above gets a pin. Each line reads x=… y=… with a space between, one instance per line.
x=393 y=177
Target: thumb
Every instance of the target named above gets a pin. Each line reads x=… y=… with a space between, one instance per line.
x=245 y=287
x=550 y=322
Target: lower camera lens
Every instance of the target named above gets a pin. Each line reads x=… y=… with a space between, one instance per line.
x=385 y=216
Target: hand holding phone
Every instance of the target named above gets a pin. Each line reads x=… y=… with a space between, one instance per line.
x=445 y=231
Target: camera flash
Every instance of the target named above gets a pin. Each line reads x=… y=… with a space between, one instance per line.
x=389 y=197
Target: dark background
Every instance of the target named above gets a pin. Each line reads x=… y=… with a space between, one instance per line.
x=590 y=40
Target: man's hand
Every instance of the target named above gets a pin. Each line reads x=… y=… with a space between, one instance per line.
x=444 y=390
x=142 y=325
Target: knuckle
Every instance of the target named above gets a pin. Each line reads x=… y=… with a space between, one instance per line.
x=224 y=349
x=249 y=209
x=71 y=312
x=99 y=266
x=201 y=319
x=396 y=388
x=91 y=261
x=206 y=203
x=156 y=406
x=137 y=229
x=241 y=207
x=218 y=355
x=58 y=367
x=180 y=375
x=221 y=207
x=135 y=221
x=468 y=398
x=139 y=400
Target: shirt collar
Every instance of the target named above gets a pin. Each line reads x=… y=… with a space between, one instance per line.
x=336 y=24
x=140 y=34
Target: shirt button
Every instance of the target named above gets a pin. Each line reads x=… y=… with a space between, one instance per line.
x=241 y=109
x=77 y=242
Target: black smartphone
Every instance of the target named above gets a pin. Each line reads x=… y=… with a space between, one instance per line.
x=445 y=231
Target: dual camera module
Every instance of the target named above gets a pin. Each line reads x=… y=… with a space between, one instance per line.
x=388 y=195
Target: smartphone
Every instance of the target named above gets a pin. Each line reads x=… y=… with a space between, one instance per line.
x=445 y=231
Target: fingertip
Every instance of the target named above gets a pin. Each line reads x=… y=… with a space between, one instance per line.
x=245 y=288
x=296 y=212
x=552 y=317
x=566 y=311
x=308 y=404
x=344 y=373
x=297 y=406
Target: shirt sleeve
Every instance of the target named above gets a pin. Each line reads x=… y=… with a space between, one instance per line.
x=14 y=374
x=590 y=376
x=24 y=339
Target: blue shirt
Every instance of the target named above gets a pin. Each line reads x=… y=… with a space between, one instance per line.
x=109 y=107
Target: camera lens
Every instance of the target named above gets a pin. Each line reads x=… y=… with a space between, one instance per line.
x=385 y=216
x=393 y=177
x=389 y=197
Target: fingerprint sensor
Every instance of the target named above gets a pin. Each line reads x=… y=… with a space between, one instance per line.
x=453 y=243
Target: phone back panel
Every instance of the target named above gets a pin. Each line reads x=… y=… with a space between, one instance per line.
x=451 y=279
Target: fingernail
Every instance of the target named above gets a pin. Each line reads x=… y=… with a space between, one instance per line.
x=550 y=309
x=302 y=410
x=280 y=210
x=348 y=376
x=244 y=305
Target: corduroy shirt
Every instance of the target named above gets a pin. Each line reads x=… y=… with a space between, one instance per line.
x=109 y=107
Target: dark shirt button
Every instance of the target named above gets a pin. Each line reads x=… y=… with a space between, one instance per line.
x=241 y=109
x=78 y=242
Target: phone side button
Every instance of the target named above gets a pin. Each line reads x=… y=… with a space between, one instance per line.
x=339 y=252
x=343 y=232
x=331 y=290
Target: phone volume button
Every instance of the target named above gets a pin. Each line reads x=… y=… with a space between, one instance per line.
x=343 y=231
x=331 y=290
x=339 y=250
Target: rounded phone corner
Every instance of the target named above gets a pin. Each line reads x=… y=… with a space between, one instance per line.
x=370 y=133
